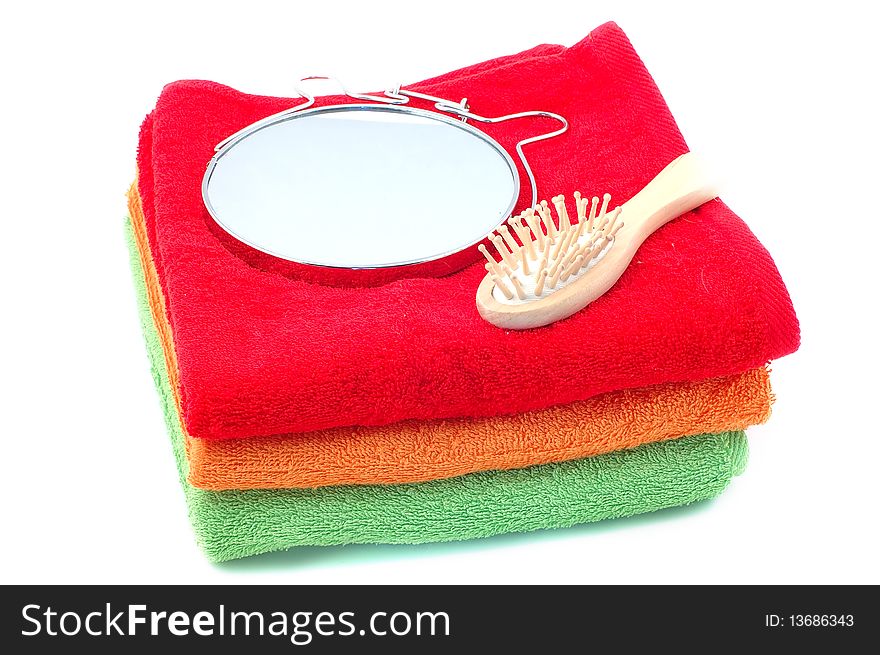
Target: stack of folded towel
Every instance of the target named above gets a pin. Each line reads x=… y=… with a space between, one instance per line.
x=308 y=411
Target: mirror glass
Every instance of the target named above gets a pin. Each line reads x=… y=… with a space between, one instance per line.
x=361 y=186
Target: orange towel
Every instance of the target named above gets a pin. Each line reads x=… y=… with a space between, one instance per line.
x=417 y=451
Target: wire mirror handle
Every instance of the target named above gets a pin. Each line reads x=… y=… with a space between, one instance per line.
x=401 y=96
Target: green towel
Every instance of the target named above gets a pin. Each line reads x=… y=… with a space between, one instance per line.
x=233 y=524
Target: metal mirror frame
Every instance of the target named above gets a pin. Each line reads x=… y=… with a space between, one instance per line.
x=446 y=111
x=330 y=109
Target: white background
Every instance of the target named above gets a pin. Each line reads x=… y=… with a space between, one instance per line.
x=780 y=97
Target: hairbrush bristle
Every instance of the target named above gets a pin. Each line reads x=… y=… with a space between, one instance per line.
x=549 y=253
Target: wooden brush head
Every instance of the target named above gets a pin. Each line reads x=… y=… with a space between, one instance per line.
x=540 y=255
x=549 y=269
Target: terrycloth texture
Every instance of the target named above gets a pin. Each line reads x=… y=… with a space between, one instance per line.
x=261 y=350
x=421 y=451
x=417 y=451
x=233 y=524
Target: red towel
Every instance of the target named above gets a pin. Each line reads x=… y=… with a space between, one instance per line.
x=263 y=349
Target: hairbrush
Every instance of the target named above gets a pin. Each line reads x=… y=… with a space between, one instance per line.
x=551 y=268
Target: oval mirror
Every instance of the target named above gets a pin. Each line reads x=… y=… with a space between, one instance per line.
x=361 y=186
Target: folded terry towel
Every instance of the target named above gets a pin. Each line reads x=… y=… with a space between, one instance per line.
x=233 y=524
x=262 y=350
x=416 y=451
